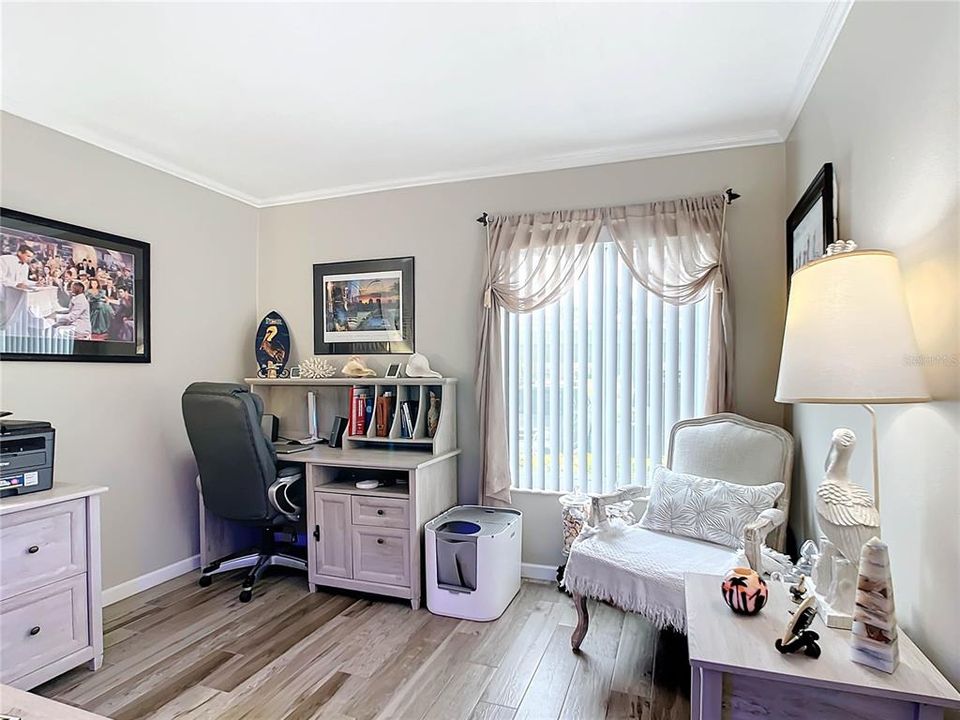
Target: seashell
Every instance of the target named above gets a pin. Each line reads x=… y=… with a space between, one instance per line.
x=356 y=368
x=419 y=366
x=316 y=368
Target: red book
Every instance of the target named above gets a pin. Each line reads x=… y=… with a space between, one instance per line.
x=360 y=424
x=351 y=423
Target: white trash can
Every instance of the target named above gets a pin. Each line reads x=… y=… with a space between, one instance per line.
x=473 y=561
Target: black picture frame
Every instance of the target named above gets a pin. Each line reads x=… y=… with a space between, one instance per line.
x=18 y=227
x=327 y=340
x=808 y=235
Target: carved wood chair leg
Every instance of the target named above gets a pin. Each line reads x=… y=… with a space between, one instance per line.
x=583 y=622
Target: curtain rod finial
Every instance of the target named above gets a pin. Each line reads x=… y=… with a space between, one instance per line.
x=731 y=195
x=484 y=219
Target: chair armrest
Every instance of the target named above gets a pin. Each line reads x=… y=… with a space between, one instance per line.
x=638 y=494
x=285 y=493
x=755 y=534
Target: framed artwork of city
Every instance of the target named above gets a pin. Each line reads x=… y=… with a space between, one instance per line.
x=363 y=306
x=69 y=293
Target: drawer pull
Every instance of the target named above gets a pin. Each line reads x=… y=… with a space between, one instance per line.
x=379 y=541
x=35 y=630
x=33 y=549
x=380 y=512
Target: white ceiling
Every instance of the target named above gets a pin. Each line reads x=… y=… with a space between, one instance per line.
x=275 y=102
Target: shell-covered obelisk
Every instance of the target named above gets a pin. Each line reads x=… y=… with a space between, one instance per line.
x=874 y=640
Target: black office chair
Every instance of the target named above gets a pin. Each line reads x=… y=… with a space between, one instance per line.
x=239 y=477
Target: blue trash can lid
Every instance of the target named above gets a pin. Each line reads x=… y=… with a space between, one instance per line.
x=459 y=527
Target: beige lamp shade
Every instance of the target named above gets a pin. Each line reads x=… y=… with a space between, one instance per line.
x=848 y=337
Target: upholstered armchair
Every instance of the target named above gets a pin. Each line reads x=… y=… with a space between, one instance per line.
x=641 y=570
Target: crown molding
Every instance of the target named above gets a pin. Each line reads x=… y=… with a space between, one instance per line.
x=823 y=43
x=142 y=157
x=563 y=161
x=817 y=55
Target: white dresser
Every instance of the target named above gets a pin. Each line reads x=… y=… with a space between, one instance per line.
x=50 y=608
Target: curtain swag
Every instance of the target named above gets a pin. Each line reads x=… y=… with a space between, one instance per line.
x=673 y=248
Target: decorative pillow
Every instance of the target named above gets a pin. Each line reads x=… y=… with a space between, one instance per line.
x=705 y=508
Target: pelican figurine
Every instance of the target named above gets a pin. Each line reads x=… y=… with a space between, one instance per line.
x=846 y=512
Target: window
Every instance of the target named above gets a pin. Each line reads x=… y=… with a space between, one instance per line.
x=594 y=383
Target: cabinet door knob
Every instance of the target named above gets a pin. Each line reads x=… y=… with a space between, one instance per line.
x=379 y=512
x=379 y=541
x=33 y=548
x=35 y=630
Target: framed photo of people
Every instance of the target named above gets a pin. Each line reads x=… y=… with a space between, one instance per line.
x=363 y=306
x=70 y=293
x=811 y=225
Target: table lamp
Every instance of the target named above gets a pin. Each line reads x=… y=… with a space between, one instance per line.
x=848 y=340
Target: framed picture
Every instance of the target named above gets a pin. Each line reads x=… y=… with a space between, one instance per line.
x=393 y=371
x=70 y=293
x=363 y=307
x=811 y=225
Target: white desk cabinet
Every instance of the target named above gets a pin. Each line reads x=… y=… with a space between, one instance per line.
x=737 y=674
x=371 y=540
x=50 y=608
x=364 y=540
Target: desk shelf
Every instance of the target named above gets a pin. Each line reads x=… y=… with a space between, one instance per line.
x=287 y=400
x=423 y=442
x=401 y=491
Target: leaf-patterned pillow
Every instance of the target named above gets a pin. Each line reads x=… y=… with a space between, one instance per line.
x=705 y=508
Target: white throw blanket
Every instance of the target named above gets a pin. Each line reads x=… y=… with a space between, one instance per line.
x=642 y=571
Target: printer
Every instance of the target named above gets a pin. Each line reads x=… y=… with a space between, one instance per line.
x=26 y=456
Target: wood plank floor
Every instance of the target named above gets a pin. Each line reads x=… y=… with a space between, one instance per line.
x=181 y=651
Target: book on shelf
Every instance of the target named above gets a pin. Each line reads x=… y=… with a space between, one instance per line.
x=383 y=414
x=358 y=419
x=408 y=417
x=351 y=403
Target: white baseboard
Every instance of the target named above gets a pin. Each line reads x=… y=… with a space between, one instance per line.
x=149 y=580
x=538 y=572
x=117 y=593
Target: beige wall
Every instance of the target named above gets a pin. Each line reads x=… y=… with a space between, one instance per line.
x=884 y=111
x=121 y=424
x=117 y=424
x=436 y=225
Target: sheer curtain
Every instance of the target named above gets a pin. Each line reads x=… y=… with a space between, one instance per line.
x=532 y=260
x=673 y=248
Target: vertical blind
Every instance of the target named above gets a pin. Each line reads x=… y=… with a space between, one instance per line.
x=594 y=382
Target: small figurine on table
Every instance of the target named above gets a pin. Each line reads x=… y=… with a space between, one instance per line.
x=799 y=590
x=796 y=636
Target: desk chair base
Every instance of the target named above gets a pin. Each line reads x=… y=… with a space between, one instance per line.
x=270 y=553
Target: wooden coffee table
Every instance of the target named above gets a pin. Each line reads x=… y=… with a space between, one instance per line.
x=737 y=673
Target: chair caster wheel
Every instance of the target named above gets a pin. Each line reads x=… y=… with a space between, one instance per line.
x=205 y=581
x=246 y=595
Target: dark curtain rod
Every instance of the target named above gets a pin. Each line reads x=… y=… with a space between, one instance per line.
x=731 y=194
